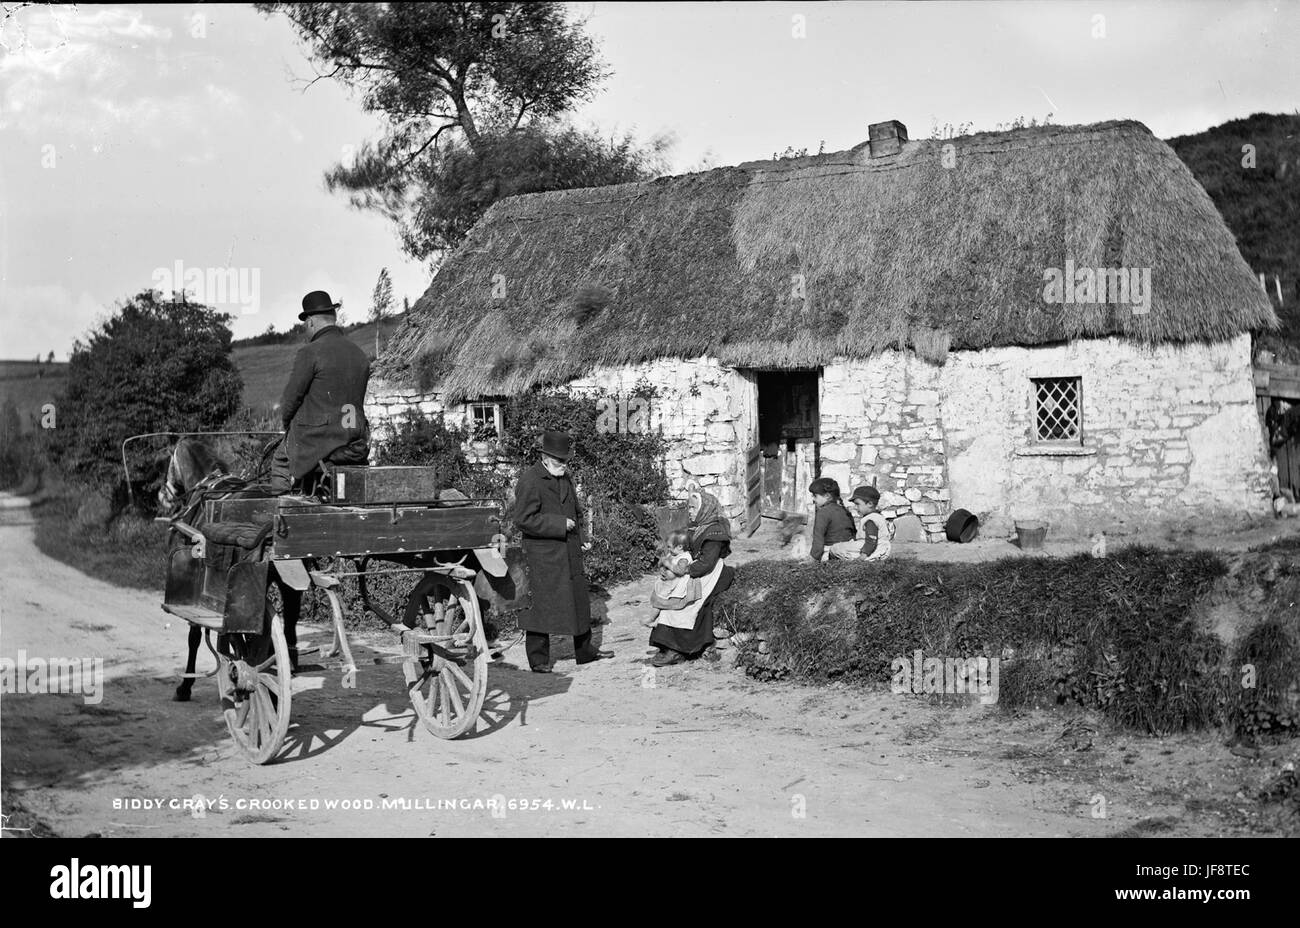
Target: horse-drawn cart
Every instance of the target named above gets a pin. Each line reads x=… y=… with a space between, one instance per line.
x=231 y=545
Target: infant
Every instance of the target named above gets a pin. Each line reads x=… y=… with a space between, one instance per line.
x=671 y=590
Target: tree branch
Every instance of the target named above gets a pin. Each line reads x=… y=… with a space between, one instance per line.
x=406 y=162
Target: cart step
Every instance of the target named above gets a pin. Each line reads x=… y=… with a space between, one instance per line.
x=196 y=615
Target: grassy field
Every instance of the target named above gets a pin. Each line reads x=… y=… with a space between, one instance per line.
x=31 y=386
x=265 y=368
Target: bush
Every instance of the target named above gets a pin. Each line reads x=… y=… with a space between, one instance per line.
x=617 y=475
x=155 y=365
x=429 y=441
x=127 y=551
x=1114 y=634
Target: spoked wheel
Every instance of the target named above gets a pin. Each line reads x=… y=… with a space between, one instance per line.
x=256 y=688
x=447 y=693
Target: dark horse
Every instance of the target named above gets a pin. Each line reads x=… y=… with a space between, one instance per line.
x=195 y=473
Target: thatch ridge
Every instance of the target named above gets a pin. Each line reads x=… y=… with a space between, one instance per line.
x=898 y=252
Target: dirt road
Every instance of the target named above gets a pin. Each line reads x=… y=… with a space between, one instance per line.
x=696 y=749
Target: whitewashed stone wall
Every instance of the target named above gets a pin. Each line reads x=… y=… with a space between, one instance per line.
x=1170 y=436
x=708 y=414
x=387 y=402
x=881 y=426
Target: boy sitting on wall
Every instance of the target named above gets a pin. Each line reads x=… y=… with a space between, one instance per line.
x=876 y=532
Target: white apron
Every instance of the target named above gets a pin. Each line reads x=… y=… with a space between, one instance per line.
x=685 y=618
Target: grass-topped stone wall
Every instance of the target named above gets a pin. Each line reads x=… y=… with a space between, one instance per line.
x=1124 y=635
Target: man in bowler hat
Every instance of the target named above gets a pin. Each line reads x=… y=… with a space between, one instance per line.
x=323 y=404
x=547 y=513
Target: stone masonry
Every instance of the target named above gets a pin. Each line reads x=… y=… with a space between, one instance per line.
x=881 y=426
x=1169 y=434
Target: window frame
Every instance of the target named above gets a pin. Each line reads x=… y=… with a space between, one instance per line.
x=498 y=415
x=1036 y=441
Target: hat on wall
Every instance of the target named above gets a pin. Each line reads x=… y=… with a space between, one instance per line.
x=317 y=302
x=557 y=444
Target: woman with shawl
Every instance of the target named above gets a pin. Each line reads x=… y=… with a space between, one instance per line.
x=685 y=633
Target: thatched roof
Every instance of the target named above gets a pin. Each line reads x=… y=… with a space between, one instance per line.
x=895 y=251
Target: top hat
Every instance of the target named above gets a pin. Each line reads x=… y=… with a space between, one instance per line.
x=317 y=302
x=556 y=444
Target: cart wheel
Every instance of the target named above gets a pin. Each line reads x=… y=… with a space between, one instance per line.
x=256 y=689
x=447 y=697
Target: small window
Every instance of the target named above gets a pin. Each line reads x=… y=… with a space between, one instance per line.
x=1058 y=410
x=485 y=421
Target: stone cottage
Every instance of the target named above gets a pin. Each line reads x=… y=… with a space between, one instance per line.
x=1048 y=323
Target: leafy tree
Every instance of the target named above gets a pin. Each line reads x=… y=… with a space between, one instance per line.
x=154 y=365
x=462 y=181
x=469 y=91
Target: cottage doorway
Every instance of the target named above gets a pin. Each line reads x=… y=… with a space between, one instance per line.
x=789 y=438
x=1277 y=393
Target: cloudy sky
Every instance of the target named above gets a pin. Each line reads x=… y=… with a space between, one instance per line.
x=137 y=138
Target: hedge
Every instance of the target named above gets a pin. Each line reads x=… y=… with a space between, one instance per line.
x=1117 y=634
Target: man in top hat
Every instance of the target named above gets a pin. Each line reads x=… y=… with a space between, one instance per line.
x=547 y=513
x=323 y=404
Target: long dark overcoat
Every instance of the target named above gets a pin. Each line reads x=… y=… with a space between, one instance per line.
x=328 y=382
x=561 y=601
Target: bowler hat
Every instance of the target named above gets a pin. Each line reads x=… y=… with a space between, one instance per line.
x=557 y=444
x=317 y=302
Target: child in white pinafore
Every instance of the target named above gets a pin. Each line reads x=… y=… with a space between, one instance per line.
x=673 y=591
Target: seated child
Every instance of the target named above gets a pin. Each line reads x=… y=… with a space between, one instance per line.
x=876 y=531
x=832 y=531
x=673 y=591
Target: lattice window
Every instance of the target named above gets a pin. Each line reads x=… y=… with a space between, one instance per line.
x=1058 y=410
x=485 y=420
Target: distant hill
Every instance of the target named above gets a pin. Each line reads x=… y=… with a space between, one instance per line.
x=1261 y=205
x=265 y=367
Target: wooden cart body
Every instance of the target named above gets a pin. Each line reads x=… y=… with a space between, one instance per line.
x=222 y=585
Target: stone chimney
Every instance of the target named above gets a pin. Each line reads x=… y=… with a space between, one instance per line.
x=886 y=138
